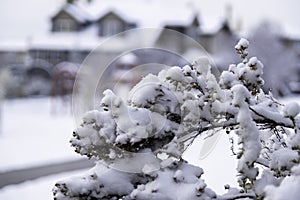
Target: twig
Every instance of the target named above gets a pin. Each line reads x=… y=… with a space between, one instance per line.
x=268 y=120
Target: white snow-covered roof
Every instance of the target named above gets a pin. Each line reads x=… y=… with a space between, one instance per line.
x=153 y=13
x=65 y=41
x=211 y=29
x=89 y=39
x=78 y=12
x=14 y=45
x=145 y=13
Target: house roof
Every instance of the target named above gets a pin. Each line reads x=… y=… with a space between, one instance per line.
x=77 y=12
x=88 y=40
x=14 y=45
x=215 y=28
x=153 y=13
x=144 y=13
x=64 y=41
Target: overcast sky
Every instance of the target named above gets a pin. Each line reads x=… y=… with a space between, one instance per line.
x=24 y=18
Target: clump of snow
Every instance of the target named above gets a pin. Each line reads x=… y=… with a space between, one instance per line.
x=241 y=95
x=291 y=109
x=175 y=73
x=242 y=44
x=248 y=133
x=288 y=188
x=228 y=79
x=283 y=159
x=202 y=65
x=295 y=141
x=266 y=179
x=165 y=184
x=182 y=183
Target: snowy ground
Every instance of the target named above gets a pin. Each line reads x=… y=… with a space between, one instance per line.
x=31 y=135
x=39 y=189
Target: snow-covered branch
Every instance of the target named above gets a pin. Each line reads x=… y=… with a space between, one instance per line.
x=139 y=143
x=238 y=196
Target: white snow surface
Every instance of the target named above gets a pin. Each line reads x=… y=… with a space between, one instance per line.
x=33 y=134
x=29 y=132
x=181 y=13
x=40 y=188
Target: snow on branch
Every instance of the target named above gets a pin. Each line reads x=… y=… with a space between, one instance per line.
x=139 y=143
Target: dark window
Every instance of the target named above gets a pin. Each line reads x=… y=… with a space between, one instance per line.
x=64 y=25
x=110 y=27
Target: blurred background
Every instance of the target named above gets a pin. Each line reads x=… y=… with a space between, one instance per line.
x=44 y=42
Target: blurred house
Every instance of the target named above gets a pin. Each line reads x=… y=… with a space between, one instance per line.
x=13 y=55
x=293 y=43
x=79 y=27
x=279 y=58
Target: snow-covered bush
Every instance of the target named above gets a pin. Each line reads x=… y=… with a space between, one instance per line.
x=138 y=144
